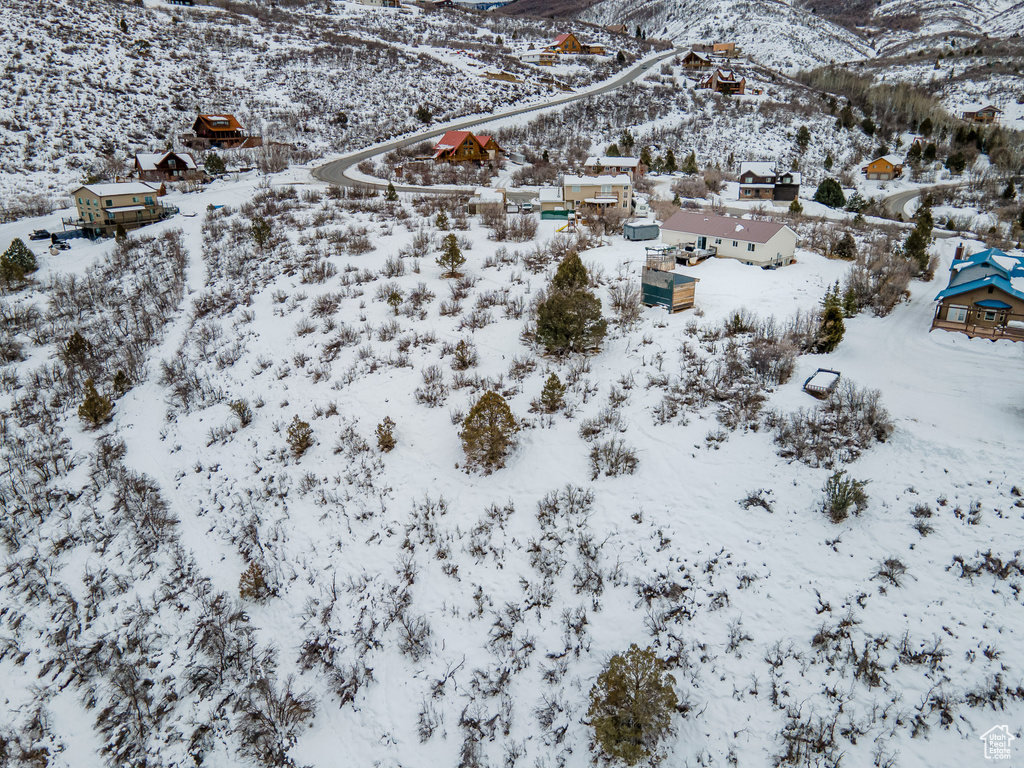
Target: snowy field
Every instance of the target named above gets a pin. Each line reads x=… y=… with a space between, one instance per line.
x=774 y=619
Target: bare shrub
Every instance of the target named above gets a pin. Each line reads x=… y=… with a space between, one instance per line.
x=839 y=430
x=612 y=458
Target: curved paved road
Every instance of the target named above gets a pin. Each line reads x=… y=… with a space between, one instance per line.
x=334 y=172
x=897 y=204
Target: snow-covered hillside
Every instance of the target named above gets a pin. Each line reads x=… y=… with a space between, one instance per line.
x=411 y=613
x=80 y=94
x=773 y=33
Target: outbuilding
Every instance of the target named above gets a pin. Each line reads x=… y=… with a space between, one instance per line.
x=641 y=230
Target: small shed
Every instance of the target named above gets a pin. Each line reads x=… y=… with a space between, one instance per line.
x=661 y=288
x=822 y=383
x=641 y=230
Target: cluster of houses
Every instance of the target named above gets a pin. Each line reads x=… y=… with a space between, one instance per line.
x=103 y=208
x=707 y=59
x=565 y=44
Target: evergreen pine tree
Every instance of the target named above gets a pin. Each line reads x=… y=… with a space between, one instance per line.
x=552 y=397
x=95 y=408
x=20 y=255
x=441 y=220
x=677 y=201
x=916 y=245
x=391 y=195
x=795 y=207
x=260 y=232
x=846 y=248
x=829 y=162
x=690 y=163
x=10 y=272
x=670 y=161
x=831 y=327
x=631 y=705
x=394 y=300
x=300 y=436
x=1010 y=192
x=627 y=140
x=850 y=305
x=621 y=59
x=645 y=156
x=571 y=275
x=830 y=193
x=570 y=322
x=803 y=137
x=386 y=435
x=451 y=257
x=252 y=585
x=488 y=432
x=213 y=164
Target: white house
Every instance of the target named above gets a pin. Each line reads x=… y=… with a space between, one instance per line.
x=630 y=166
x=762 y=243
x=539 y=57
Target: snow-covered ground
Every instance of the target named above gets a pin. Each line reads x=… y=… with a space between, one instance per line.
x=361 y=555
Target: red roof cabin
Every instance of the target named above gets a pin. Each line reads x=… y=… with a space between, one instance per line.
x=464 y=147
x=566 y=43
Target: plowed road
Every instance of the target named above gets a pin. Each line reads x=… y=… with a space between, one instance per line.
x=335 y=172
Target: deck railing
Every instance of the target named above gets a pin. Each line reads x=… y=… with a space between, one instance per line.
x=970 y=326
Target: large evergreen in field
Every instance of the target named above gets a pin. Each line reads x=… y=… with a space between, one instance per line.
x=631 y=705
x=569 y=319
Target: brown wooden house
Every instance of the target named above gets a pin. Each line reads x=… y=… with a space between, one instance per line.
x=566 y=43
x=696 y=60
x=164 y=166
x=725 y=81
x=219 y=132
x=984 y=297
x=981 y=115
x=464 y=147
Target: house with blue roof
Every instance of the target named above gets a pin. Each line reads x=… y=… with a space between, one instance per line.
x=984 y=297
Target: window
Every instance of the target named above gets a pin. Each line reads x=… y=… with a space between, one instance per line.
x=956 y=314
x=575 y=187
x=990 y=315
x=750 y=246
x=135 y=199
x=735 y=244
x=110 y=202
x=149 y=200
x=606 y=189
x=79 y=201
x=718 y=241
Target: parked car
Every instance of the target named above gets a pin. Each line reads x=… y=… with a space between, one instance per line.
x=39 y=234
